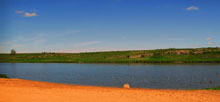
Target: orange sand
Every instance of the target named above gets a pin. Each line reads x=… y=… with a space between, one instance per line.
x=17 y=90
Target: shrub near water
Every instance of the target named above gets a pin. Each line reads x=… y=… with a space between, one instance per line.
x=216 y=88
x=3 y=76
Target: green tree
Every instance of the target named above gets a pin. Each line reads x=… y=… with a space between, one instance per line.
x=13 y=52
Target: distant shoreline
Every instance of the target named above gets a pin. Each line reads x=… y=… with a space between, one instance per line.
x=161 y=56
x=138 y=63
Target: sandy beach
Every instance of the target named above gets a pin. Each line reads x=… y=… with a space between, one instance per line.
x=18 y=90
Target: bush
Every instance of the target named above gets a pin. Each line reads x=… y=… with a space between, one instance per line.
x=215 y=88
x=3 y=76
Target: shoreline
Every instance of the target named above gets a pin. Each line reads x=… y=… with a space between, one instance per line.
x=19 y=90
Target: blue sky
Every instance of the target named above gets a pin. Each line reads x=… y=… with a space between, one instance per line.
x=103 y=25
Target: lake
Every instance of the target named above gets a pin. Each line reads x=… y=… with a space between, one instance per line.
x=195 y=76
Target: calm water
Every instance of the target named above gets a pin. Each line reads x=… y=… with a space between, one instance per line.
x=139 y=76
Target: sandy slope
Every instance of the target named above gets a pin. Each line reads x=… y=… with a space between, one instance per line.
x=17 y=90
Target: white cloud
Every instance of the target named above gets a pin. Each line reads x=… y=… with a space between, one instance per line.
x=7 y=42
x=8 y=45
x=77 y=50
x=27 y=14
x=19 y=12
x=196 y=45
x=34 y=43
x=208 y=38
x=16 y=45
x=190 y=8
x=72 y=32
x=86 y=43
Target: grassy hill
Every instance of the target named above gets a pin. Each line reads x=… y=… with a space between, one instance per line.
x=200 y=55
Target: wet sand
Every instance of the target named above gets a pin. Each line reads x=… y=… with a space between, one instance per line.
x=17 y=90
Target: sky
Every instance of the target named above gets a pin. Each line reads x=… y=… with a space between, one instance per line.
x=107 y=25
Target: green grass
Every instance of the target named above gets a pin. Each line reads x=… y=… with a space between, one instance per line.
x=3 y=76
x=208 y=55
x=215 y=88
